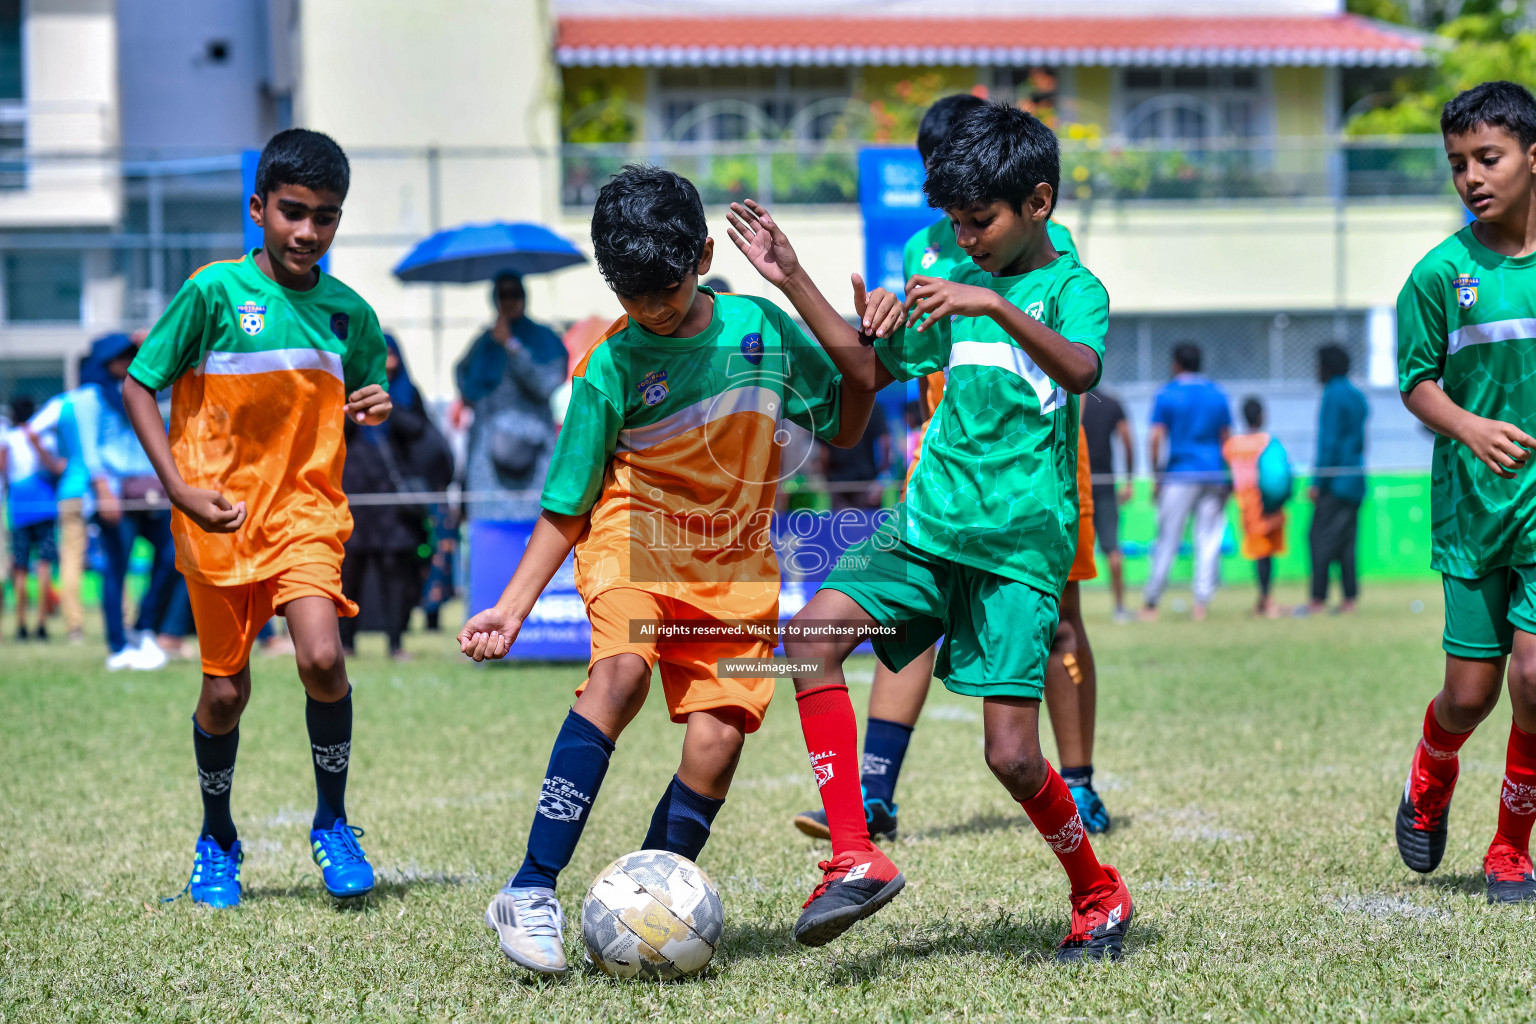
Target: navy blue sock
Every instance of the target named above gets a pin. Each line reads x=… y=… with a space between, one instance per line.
x=885 y=746
x=681 y=821
x=215 y=774
x=1078 y=776
x=330 y=744
x=576 y=769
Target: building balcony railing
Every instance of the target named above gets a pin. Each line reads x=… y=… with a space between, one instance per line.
x=820 y=173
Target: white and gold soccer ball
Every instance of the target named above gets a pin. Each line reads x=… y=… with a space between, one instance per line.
x=652 y=914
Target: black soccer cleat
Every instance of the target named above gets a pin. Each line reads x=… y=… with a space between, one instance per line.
x=1509 y=875
x=854 y=887
x=1423 y=817
x=1100 y=922
x=879 y=818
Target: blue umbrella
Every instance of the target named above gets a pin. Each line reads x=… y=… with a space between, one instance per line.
x=478 y=252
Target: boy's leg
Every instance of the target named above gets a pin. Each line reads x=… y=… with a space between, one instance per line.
x=312 y=622
x=858 y=879
x=1477 y=639
x=215 y=741
x=1071 y=697
x=711 y=750
x=525 y=915
x=1101 y=904
x=1507 y=865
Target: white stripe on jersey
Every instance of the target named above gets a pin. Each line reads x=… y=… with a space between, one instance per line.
x=275 y=360
x=1486 y=334
x=1004 y=356
x=692 y=417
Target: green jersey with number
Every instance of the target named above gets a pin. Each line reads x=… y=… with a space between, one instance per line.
x=932 y=251
x=996 y=486
x=1467 y=318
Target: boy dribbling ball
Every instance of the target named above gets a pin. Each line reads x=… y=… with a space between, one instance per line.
x=663 y=480
x=266 y=357
x=1466 y=347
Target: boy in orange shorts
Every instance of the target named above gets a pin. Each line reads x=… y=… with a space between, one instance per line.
x=1263 y=532
x=663 y=480
x=266 y=357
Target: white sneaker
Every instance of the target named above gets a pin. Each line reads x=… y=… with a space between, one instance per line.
x=150 y=654
x=528 y=924
x=128 y=657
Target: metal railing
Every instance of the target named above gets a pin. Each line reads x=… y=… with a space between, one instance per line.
x=795 y=171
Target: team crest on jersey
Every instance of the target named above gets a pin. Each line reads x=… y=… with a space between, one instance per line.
x=339 y=323
x=252 y=317
x=654 y=387
x=1466 y=290
x=752 y=348
x=930 y=257
x=1036 y=310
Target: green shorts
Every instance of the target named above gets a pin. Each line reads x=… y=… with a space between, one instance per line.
x=997 y=632
x=1482 y=614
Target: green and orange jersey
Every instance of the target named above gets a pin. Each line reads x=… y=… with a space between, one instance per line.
x=674 y=447
x=259 y=375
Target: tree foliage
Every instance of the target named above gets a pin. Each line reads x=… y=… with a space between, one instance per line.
x=1482 y=40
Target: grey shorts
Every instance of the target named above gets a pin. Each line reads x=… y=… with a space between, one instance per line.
x=1106 y=518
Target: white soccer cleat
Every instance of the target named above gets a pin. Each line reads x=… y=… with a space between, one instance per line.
x=529 y=924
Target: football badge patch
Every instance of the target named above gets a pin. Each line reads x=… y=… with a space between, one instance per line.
x=339 y=326
x=654 y=387
x=930 y=257
x=252 y=317
x=752 y=348
x=1466 y=290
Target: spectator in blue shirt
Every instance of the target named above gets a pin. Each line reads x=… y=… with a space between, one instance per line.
x=32 y=507
x=1336 y=491
x=1192 y=417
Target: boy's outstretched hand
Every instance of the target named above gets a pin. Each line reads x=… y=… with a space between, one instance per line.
x=879 y=312
x=210 y=510
x=762 y=242
x=369 y=405
x=489 y=634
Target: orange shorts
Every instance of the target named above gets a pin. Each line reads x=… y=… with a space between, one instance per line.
x=688 y=675
x=228 y=618
x=1083 y=566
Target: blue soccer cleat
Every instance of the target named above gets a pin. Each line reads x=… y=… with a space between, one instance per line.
x=343 y=864
x=879 y=817
x=1091 y=809
x=215 y=874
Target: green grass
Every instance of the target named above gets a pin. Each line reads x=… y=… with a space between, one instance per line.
x=1253 y=768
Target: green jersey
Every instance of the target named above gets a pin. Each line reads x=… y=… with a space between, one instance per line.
x=674 y=446
x=996 y=485
x=932 y=251
x=1467 y=318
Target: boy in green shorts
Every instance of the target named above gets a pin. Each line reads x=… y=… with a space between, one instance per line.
x=1466 y=348
x=980 y=549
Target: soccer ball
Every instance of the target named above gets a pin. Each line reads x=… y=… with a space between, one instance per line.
x=652 y=914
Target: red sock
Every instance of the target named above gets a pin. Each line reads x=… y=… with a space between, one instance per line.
x=1517 y=806
x=1438 y=748
x=1054 y=813
x=832 y=738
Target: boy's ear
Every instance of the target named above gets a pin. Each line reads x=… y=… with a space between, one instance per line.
x=258 y=210
x=1041 y=202
x=707 y=258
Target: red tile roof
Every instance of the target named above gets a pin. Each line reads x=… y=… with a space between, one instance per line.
x=673 y=41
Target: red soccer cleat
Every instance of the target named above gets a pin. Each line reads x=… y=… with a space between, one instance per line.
x=1100 y=920
x=855 y=886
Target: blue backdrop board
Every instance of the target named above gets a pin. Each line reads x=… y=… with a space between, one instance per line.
x=248 y=160
x=894 y=208
x=808 y=545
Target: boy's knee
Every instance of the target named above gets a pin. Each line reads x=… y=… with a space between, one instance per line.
x=1466 y=706
x=1019 y=767
x=1522 y=676
x=223 y=701
x=321 y=663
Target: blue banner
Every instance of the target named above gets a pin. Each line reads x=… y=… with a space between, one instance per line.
x=253 y=238
x=894 y=209
x=807 y=544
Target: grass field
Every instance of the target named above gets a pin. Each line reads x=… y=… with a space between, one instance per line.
x=1253 y=768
